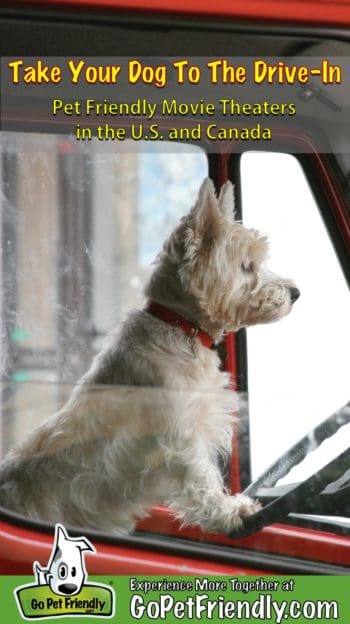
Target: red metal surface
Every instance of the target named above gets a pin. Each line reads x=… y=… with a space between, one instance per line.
x=231 y=366
x=336 y=199
x=221 y=176
x=20 y=547
x=278 y=538
x=326 y=12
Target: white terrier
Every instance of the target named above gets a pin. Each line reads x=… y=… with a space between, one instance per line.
x=112 y=452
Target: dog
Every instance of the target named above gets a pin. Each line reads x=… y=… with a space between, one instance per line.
x=65 y=573
x=112 y=452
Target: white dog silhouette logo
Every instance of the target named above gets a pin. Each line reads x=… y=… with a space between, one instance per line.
x=61 y=588
x=66 y=571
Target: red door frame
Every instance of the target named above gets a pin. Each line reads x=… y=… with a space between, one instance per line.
x=330 y=13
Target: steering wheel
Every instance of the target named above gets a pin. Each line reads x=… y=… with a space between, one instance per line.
x=330 y=486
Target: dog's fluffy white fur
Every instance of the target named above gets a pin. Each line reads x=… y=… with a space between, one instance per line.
x=112 y=452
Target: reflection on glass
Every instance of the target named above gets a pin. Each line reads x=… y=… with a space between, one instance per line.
x=80 y=225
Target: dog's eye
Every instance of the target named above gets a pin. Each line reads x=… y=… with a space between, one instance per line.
x=62 y=571
x=247 y=268
x=74 y=571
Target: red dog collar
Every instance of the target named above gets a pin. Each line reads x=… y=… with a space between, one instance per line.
x=170 y=317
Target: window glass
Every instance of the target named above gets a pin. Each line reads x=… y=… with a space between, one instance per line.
x=80 y=225
x=298 y=372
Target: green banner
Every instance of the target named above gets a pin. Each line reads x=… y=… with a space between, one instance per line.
x=181 y=599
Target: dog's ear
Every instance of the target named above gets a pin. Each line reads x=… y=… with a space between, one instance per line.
x=63 y=540
x=84 y=544
x=227 y=201
x=205 y=216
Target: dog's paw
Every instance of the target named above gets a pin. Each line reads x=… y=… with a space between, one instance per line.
x=242 y=507
x=247 y=506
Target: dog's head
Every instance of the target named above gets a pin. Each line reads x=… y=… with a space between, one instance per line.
x=66 y=572
x=221 y=265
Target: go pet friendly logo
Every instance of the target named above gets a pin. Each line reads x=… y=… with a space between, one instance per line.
x=60 y=589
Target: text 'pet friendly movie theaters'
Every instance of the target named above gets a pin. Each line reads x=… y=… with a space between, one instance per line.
x=169 y=107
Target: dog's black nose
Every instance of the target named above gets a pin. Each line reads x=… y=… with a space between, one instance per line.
x=67 y=588
x=294 y=294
